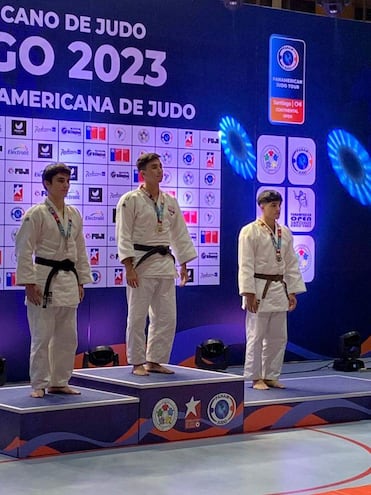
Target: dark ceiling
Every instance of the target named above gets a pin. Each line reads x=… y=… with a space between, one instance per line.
x=357 y=9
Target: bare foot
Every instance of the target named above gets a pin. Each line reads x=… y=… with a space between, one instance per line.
x=38 y=393
x=63 y=390
x=274 y=384
x=158 y=368
x=259 y=385
x=139 y=370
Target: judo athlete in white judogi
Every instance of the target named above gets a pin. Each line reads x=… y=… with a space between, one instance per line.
x=53 y=266
x=148 y=223
x=269 y=279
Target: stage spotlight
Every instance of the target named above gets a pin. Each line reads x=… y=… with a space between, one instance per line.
x=350 y=351
x=333 y=8
x=2 y=371
x=212 y=354
x=100 y=356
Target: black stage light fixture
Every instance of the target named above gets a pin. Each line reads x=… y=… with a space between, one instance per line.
x=233 y=4
x=102 y=355
x=2 y=371
x=333 y=8
x=350 y=351
x=212 y=354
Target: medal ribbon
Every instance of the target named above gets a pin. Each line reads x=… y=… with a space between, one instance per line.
x=158 y=209
x=276 y=243
x=65 y=234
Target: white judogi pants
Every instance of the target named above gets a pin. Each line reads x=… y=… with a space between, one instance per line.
x=53 y=345
x=266 y=339
x=154 y=297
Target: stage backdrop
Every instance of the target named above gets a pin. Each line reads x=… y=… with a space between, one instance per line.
x=234 y=101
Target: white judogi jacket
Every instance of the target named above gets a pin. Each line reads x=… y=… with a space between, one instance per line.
x=39 y=235
x=256 y=254
x=136 y=223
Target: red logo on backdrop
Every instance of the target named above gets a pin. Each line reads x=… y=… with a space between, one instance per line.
x=190 y=216
x=96 y=133
x=210 y=159
x=188 y=138
x=119 y=276
x=209 y=237
x=119 y=155
x=94 y=256
x=17 y=192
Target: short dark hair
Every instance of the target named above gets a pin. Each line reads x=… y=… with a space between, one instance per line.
x=53 y=169
x=269 y=196
x=144 y=160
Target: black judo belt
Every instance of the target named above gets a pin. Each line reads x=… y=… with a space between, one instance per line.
x=269 y=279
x=151 y=250
x=64 y=265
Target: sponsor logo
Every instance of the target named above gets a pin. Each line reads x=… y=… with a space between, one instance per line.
x=22 y=171
x=94 y=256
x=119 y=155
x=188 y=139
x=20 y=150
x=10 y=279
x=221 y=409
x=210 y=159
x=118 y=174
x=188 y=178
x=95 y=194
x=288 y=58
x=96 y=216
x=304 y=257
x=302 y=161
x=188 y=158
x=209 y=179
x=165 y=414
x=19 y=127
x=97 y=276
x=209 y=255
x=96 y=153
x=192 y=417
x=45 y=150
x=119 y=276
x=94 y=133
x=143 y=136
x=74 y=172
x=17 y=214
x=70 y=152
x=166 y=137
x=17 y=192
x=271 y=159
x=209 y=236
x=190 y=216
x=73 y=131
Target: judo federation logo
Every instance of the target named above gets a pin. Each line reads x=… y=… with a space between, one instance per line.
x=304 y=257
x=271 y=159
x=165 y=414
x=302 y=161
x=288 y=58
x=143 y=136
x=221 y=409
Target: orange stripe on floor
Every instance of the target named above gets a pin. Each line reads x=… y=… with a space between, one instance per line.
x=359 y=490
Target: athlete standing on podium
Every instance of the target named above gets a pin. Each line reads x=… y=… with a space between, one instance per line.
x=149 y=224
x=53 y=266
x=269 y=279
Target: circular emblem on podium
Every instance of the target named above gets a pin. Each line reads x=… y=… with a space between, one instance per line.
x=221 y=409
x=165 y=414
